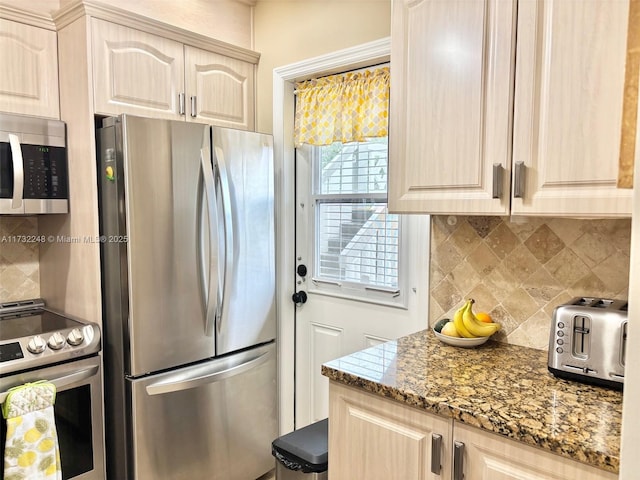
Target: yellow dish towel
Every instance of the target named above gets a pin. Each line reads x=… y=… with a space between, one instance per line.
x=31 y=451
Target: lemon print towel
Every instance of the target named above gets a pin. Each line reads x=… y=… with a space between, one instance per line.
x=31 y=451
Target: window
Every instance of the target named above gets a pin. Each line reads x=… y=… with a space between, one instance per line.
x=354 y=240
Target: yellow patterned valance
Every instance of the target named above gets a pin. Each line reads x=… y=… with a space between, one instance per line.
x=342 y=108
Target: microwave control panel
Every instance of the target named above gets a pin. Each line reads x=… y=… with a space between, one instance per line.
x=45 y=172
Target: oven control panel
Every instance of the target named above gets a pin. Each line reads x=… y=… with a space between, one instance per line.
x=10 y=351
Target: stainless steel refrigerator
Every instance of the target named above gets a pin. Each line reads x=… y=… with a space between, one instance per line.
x=187 y=232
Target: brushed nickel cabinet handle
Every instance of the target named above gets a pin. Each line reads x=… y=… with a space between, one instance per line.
x=436 y=453
x=497 y=180
x=181 y=103
x=458 y=460
x=194 y=113
x=519 y=180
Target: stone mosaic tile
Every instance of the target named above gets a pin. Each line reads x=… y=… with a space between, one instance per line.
x=483 y=260
x=483 y=225
x=567 y=229
x=19 y=260
x=542 y=287
x=593 y=248
x=567 y=267
x=446 y=257
x=521 y=263
x=523 y=227
x=544 y=244
x=522 y=268
x=502 y=241
x=446 y=295
x=465 y=238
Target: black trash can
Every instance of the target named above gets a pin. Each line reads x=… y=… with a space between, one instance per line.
x=303 y=454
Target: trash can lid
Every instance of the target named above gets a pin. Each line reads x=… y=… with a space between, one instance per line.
x=309 y=444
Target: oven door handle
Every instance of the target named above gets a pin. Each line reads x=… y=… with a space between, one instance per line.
x=65 y=380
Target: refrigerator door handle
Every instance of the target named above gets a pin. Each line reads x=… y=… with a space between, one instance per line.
x=212 y=283
x=180 y=382
x=221 y=168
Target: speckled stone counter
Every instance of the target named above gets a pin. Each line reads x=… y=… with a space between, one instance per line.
x=505 y=389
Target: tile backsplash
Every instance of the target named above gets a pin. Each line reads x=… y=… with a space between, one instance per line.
x=518 y=271
x=19 y=259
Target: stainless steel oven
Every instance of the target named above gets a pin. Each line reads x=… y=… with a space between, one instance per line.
x=39 y=344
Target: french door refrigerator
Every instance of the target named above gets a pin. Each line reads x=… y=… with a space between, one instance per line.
x=187 y=232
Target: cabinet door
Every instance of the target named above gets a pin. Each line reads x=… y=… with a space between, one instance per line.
x=568 y=107
x=222 y=87
x=378 y=439
x=135 y=72
x=29 y=73
x=451 y=96
x=490 y=457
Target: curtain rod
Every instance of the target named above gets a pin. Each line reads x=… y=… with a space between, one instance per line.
x=360 y=69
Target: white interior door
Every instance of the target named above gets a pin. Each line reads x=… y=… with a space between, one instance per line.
x=364 y=272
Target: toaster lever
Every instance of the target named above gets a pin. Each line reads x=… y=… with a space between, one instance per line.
x=581 y=330
x=585 y=370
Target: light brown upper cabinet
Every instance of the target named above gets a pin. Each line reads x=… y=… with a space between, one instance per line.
x=29 y=74
x=144 y=74
x=221 y=87
x=479 y=126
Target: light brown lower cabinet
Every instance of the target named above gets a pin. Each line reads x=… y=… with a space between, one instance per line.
x=373 y=438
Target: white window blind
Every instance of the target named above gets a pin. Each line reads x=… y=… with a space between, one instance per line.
x=356 y=239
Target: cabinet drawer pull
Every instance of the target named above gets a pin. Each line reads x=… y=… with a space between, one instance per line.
x=181 y=103
x=519 y=180
x=436 y=453
x=194 y=113
x=497 y=180
x=458 y=462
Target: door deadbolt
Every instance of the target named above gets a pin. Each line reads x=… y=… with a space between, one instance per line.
x=302 y=270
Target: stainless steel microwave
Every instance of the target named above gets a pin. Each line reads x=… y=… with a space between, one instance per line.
x=33 y=166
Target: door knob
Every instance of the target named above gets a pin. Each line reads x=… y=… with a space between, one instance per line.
x=299 y=298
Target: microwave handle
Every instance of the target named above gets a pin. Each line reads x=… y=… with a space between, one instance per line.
x=65 y=380
x=18 y=171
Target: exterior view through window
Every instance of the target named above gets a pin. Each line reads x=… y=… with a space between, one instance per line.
x=356 y=240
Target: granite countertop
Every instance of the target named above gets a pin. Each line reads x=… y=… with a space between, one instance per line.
x=502 y=388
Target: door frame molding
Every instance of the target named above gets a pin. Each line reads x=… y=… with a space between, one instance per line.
x=284 y=78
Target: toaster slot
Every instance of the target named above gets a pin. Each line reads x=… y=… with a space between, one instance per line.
x=602 y=303
x=581 y=336
x=583 y=301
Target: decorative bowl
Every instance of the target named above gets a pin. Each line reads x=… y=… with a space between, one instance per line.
x=459 y=341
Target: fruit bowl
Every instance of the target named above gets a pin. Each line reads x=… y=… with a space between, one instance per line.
x=459 y=341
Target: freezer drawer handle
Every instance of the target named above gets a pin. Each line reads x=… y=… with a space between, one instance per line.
x=170 y=386
x=65 y=379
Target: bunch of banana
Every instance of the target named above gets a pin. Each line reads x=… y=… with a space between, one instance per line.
x=468 y=326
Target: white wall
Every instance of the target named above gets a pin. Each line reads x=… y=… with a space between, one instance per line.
x=40 y=6
x=226 y=20
x=288 y=31
x=230 y=21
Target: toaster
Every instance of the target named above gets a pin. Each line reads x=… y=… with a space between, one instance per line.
x=588 y=341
